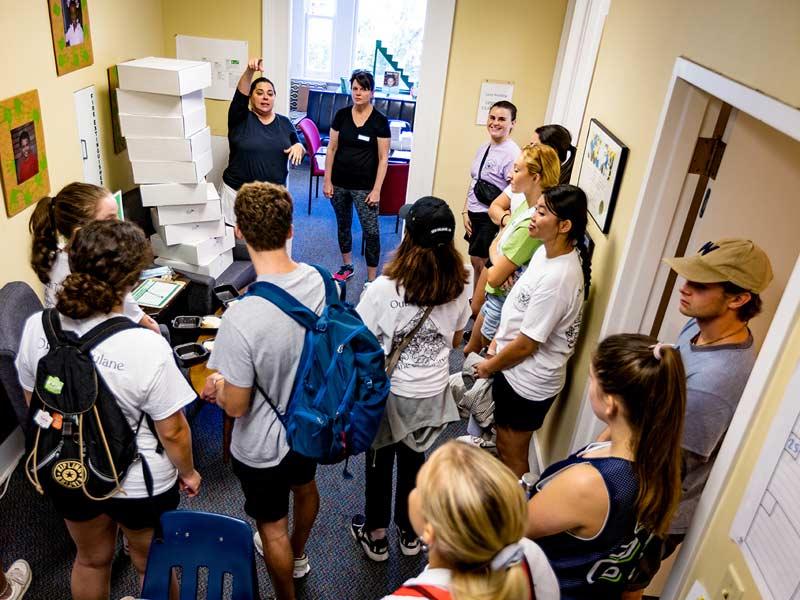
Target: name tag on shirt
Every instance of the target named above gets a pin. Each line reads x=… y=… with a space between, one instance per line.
x=363 y=138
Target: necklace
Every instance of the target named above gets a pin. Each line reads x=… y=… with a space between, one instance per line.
x=719 y=339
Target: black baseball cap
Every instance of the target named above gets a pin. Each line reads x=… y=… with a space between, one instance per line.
x=429 y=222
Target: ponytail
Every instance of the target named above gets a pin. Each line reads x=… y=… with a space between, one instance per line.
x=45 y=240
x=505 y=584
x=74 y=206
x=586 y=265
x=650 y=381
x=105 y=260
x=568 y=203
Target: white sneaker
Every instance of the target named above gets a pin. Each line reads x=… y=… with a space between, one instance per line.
x=19 y=578
x=301 y=565
x=478 y=441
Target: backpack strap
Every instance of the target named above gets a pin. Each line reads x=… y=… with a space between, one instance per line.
x=52 y=328
x=422 y=591
x=292 y=307
x=394 y=355
x=103 y=331
x=331 y=291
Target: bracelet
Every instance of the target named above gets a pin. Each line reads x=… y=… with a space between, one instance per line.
x=503 y=217
x=463 y=212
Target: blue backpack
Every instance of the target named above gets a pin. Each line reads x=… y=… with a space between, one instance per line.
x=340 y=387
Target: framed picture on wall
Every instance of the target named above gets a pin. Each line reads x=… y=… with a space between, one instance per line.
x=604 y=158
x=22 y=155
x=72 y=38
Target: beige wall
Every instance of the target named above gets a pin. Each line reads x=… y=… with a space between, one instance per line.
x=120 y=30
x=753 y=43
x=520 y=46
x=230 y=20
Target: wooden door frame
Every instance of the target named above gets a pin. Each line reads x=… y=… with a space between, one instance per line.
x=639 y=269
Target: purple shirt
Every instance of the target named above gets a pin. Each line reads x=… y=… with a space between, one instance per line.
x=496 y=169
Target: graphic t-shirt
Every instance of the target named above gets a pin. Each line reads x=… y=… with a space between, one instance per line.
x=424 y=365
x=355 y=164
x=139 y=369
x=496 y=169
x=545 y=305
x=515 y=242
x=59 y=272
x=256 y=339
x=257 y=150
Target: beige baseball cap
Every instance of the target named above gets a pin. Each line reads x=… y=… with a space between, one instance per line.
x=738 y=261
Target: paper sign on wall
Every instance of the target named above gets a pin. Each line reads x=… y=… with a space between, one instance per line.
x=491 y=92
x=228 y=60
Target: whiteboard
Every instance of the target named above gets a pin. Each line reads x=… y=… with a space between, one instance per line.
x=228 y=59
x=767 y=526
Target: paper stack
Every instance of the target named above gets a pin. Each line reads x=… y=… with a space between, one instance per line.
x=163 y=118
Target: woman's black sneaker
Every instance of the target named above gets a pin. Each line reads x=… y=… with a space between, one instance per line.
x=377 y=550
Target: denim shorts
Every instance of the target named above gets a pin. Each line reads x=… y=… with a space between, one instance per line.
x=491 y=309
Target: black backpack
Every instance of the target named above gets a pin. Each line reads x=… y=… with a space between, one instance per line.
x=78 y=438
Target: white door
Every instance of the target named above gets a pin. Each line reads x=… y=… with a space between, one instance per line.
x=88 y=136
x=755 y=197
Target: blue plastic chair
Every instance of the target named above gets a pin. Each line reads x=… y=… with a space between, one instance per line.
x=199 y=539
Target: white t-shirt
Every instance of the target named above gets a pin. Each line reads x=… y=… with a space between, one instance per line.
x=424 y=366
x=545 y=584
x=139 y=369
x=516 y=198
x=74 y=34
x=545 y=304
x=59 y=272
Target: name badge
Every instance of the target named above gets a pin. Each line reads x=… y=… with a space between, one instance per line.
x=363 y=138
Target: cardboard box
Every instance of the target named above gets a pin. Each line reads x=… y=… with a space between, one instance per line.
x=191 y=233
x=181 y=126
x=214 y=269
x=186 y=213
x=194 y=254
x=158 y=105
x=164 y=171
x=164 y=75
x=171 y=194
x=174 y=149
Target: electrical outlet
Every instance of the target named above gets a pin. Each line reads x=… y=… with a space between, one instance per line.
x=731 y=587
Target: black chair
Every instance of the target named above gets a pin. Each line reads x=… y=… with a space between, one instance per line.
x=18 y=302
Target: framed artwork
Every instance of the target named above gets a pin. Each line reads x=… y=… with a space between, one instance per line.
x=22 y=155
x=72 y=38
x=116 y=130
x=603 y=164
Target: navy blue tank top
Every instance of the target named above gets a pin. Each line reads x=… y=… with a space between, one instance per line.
x=600 y=566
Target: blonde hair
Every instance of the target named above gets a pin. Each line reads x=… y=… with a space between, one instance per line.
x=542 y=160
x=476 y=508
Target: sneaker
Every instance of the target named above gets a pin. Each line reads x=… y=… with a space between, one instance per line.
x=476 y=440
x=19 y=578
x=377 y=550
x=344 y=273
x=409 y=542
x=301 y=564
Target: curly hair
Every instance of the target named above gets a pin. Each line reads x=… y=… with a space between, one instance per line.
x=264 y=215
x=105 y=260
x=73 y=207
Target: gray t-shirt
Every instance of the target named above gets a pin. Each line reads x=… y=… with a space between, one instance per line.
x=256 y=339
x=715 y=379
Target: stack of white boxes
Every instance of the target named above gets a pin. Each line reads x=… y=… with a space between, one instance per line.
x=163 y=119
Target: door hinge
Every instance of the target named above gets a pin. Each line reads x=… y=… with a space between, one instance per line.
x=707 y=157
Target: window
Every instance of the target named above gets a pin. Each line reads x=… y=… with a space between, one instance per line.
x=318 y=56
x=399 y=25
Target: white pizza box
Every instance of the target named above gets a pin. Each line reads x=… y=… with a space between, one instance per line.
x=214 y=269
x=168 y=171
x=159 y=75
x=158 y=105
x=161 y=194
x=186 y=213
x=197 y=253
x=165 y=148
x=191 y=233
x=181 y=126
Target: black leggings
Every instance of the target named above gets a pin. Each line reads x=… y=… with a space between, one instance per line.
x=380 y=468
x=343 y=201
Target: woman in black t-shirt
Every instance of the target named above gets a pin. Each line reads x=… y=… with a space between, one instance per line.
x=259 y=138
x=355 y=166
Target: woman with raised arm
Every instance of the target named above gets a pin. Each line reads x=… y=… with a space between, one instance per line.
x=261 y=141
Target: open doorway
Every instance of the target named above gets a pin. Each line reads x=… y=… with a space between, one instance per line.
x=763 y=144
